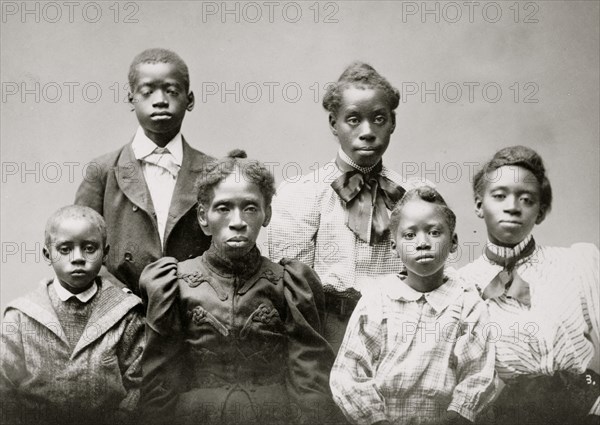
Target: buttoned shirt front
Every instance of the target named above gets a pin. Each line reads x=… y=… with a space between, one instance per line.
x=412 y=355
x=161 y=183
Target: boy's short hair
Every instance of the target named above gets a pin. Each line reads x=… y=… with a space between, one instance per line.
x=77 y=212
x=158 y=55
x=427 y=194
x=361 y=75
x=520 y=156
x=251 y=170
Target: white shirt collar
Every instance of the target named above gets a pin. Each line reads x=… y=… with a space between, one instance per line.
x=142 y=146
x=64 y=294
x=353 y=164
x=506 y=252
x=439 y=298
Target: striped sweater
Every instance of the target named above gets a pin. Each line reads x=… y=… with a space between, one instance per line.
x=43 y=377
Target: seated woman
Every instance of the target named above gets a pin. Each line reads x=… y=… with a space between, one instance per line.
x=231 y=336
x=543 y=301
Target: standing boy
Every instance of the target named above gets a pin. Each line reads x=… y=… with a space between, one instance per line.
x=145 y=190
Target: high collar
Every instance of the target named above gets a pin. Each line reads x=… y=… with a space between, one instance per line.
x=508 y=253
x=142 y=146
x=346 y=160
x=245 y=266
x=367 y=195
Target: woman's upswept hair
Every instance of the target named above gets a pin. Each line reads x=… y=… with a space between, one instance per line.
x=236 y=161
x=361 y=75
x=520 y=156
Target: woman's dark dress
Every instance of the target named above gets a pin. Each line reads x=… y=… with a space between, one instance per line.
x=233 y=342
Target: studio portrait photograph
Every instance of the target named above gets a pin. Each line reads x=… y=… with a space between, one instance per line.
x=300 y=212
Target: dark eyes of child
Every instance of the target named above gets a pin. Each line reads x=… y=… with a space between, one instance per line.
x=412 y=235
x=224 y=209
x=88 y=249
x=147 y=91
x=64 y=249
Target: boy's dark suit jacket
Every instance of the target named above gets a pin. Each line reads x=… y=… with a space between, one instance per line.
x=114 y=186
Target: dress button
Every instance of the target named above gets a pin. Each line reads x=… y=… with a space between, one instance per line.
x=128 y=256
x=134 y=208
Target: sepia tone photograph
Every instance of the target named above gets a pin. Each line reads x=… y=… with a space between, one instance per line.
x=292 y=212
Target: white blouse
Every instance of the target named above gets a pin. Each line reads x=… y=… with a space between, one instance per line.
x=561 y=329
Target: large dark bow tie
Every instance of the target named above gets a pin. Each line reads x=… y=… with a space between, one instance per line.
x=367 y=196
x=508 y=280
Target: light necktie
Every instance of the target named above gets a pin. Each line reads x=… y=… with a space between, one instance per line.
x=508 y=280
x=161 y=157
x=161 y=178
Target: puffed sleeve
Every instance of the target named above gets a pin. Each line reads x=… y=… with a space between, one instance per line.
x=474 y=355
x=161 y=366
x=129 y=353
x=586 y=262
x=586 y=259
x=353 y=376
x=294 y=223
x=310 y=357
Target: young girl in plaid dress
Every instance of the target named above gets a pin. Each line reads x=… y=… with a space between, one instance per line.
x=417 y=349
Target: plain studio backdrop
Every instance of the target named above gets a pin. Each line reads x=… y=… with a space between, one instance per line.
x=474 y=77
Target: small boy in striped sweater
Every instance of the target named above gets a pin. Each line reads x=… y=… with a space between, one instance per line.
x=71 y=349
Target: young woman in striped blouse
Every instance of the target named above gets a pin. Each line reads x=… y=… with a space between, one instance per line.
x=543 y=301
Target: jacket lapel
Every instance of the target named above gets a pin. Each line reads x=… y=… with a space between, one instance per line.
x=131 y=181
x=111 y=305
x=184 y=195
